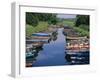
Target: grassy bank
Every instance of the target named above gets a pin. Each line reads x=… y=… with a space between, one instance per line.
x=40 y=27
x=83 y=30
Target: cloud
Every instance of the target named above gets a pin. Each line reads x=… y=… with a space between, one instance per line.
x=66 y=16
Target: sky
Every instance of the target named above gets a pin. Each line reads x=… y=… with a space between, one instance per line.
x=66 y=16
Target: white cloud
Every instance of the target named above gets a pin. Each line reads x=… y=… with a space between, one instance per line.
x=66 y=16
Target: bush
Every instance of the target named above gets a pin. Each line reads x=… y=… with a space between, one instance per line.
x=52 y=21
x=82 y=19
x=85 y=27
x=31 y=20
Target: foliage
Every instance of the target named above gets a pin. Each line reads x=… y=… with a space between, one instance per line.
x=82 y=29
x=85 y=27
x=52 y=20
x=68 y=22
x=40 y=27
x=31 y=20
x=82 y=19
x=34 y=18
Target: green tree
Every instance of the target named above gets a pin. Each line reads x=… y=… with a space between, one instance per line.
x=53 y=19
x=31 y=19
x=34 y=18
x=82 y=19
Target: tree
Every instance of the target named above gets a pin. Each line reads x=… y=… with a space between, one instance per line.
x=82 y=19
x=53 y=19
x=31 y=19
x=34 y=18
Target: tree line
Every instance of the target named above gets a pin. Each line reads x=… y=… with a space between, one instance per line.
x=34 y=18
x=82 y=19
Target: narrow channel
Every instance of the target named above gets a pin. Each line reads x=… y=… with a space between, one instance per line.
x=53 y=53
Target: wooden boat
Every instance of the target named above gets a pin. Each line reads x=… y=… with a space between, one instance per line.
x=29 y=55
x=77 y=57
x=28 y=64
x=75 y=38
x=76 y=46
x=28 y=49
x=41 y=34
x=36 y=40
x=40 y=37
x=77 y=50
x=37 y=44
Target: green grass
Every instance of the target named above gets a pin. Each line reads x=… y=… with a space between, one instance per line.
x=40 y=27
x=83 y=30
x=68 y=22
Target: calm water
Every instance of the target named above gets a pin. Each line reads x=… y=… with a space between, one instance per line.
x=53 y=53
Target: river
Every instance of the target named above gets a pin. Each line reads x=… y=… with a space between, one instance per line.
x=53 y=53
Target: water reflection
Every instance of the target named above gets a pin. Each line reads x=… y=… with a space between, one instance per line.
x=53 y=53
x=54 y=36
x=37 y=50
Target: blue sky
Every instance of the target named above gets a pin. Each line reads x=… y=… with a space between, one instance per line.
x=66 y=16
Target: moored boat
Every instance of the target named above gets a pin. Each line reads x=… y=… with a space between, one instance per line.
x=28 y=64
x=37 y=44
x=77 y=51
x=36 y=40
x=29 y=55
x=41 y=34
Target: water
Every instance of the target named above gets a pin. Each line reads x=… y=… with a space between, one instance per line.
x=53 y=54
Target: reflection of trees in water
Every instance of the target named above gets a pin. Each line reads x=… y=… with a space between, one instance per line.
x=35 y=50
x=40 y=48
x=54 y=36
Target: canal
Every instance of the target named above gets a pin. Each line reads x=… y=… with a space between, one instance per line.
x=53 y=53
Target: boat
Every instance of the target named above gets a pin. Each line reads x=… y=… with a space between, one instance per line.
x=41 y=37
x=28 y=49
x=77 y=50
x=75 y=45
x=28 y=64
x=41 y=34
x=78 y=58
x=36 y=40
x=37 y=44
x=75 y=38
x=29 y=55
x=78 y=53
